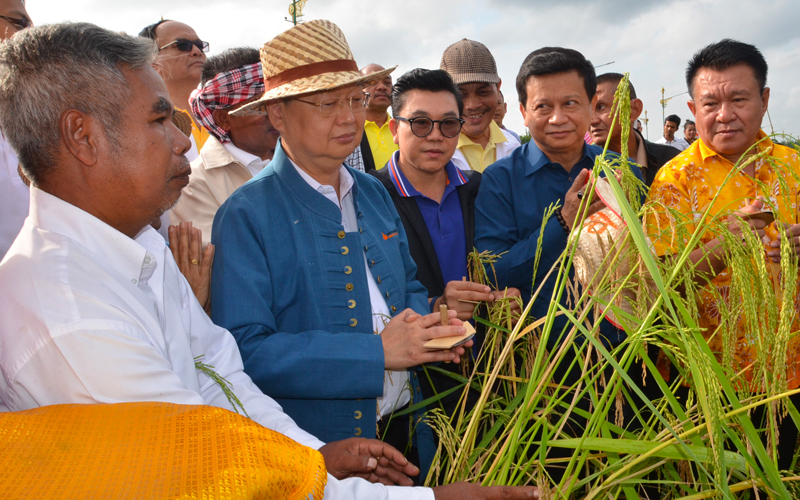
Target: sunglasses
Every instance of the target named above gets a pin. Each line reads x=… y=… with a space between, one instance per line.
x=185 y=45
x=422 y=126
x=19 y=23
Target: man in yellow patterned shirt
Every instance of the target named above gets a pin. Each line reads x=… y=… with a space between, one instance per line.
x=729 y=97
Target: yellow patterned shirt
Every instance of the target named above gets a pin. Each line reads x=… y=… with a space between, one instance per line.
x=688 y=184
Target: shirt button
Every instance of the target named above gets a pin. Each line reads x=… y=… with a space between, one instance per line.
x=345 y=250
x=147 y=260
x=379 y=279
x=372 y=263
x=569 y=178
x=348 y=269
x=351 y=303
x=387 y=295
x=341 y=235
x=349 y=287
x=366 y=248
x=353 y=322
x=357 y=415
x=394 y=309
x=357 y=432
x=134 y=281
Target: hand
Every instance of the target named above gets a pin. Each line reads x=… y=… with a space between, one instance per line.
x=739 y=221
x=461 y=491
x=185 y=241
x=368 y=459
x=460 y=296
x=791 y=231
x=404 y=337
x=516 y=310
x=572 y=203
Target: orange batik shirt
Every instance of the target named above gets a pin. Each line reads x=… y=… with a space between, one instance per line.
x=688 y=185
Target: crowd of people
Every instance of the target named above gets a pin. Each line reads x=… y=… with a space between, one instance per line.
x=264 y=210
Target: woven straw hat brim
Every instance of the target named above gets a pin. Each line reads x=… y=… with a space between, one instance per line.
x=311 y=85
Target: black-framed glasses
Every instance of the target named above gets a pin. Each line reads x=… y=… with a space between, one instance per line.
x=422 y=126
x=185 y=45
x=20 y=23
x=332 y=106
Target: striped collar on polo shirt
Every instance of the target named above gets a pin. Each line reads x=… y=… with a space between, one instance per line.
x=406 y=189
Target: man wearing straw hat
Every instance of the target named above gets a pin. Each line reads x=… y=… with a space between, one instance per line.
x=312 y=259
x=92 y=306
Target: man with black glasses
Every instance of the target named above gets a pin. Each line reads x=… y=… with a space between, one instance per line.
x=435 y=199
x=180 y=60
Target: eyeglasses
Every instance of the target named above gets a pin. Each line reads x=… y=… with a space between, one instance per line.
x=332 y=106
x=185 y=45
x=422 y=126
x=19 y=23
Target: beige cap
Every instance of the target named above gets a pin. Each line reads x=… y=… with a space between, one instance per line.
x=469 y=61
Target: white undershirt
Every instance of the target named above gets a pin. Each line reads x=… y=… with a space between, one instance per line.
x=396 y=392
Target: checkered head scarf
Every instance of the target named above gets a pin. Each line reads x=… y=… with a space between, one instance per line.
x=224 y=91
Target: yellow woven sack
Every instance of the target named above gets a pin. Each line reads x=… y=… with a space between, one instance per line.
x=151 y=450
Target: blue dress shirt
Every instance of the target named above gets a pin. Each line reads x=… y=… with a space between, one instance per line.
x=515 y=193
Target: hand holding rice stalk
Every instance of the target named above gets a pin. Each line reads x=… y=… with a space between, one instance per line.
x=701 y=446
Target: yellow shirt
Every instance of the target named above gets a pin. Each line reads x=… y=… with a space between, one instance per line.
x=688 y=184
x=381 y=142
x=199 y=134
x=476 y=155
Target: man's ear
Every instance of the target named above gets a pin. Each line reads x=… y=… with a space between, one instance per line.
x=499 y=83
x=393 y=129
x=765 y=99
x=636 y=109
x=690 y=103
x=275 y=112
x=83 y=136
x=222 y=119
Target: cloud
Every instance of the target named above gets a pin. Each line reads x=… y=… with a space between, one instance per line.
x=651 y=40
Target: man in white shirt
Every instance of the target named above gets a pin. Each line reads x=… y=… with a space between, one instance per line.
x=239 y=146
x=14 y=194
x=671 y=125
x=92 y=306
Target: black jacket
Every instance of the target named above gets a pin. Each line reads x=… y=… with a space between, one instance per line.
x=657 y=156
x=366 y=154
x=429 y=273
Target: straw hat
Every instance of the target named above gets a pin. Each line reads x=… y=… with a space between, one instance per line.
x=310 y=57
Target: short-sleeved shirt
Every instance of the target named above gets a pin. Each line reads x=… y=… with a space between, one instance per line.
x=689 y=184
x=476 y=155
x=381 y=142
x=443 y=219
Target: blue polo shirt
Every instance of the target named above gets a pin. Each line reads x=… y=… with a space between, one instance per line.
x=515 y=192
x=444 y=220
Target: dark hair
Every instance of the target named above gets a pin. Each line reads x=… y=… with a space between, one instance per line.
x=725 y=54
x=688 y=122
x=150 y=31
x=674 y=119
x=46 y=70
x=432 y=80
x=615 y=78
x=552 y=60
x=228 y=61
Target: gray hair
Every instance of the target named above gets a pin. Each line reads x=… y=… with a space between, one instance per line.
x=47 y=70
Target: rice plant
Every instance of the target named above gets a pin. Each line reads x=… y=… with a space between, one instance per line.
x=572 y=420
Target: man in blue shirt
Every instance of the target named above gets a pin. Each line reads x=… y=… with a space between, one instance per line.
x=556 y=88
x=435 y=200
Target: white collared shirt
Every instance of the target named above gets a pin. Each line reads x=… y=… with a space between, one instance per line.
x=676 y=143
x=253 y=163
x=14 y=196
x=396 y=391
x=89 y=315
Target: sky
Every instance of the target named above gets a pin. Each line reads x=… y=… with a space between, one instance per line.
x=651 y=40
